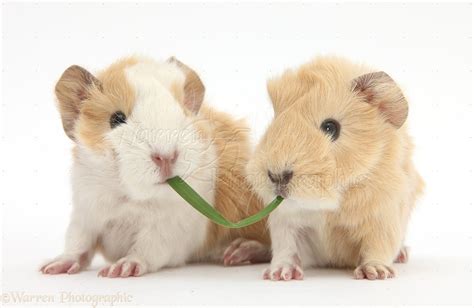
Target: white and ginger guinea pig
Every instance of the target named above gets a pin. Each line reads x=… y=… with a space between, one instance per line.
x=134 y=125
x=338 y=151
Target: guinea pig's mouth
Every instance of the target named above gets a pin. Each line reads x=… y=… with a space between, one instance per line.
x=159 y=183
x=281 y=191
x=162 y=181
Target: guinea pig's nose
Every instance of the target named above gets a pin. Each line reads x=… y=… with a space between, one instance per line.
x=165 y=163
x=281 y=178
x=157 y=159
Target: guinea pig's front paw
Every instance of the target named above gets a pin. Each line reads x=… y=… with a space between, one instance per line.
x=125 y=267
x=285 y=270
x=61 y=266
x=373 y=271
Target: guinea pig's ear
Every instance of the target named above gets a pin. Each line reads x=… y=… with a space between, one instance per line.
x=287 y=88
x=193 y=87
x=380 y=89
x=278 y=96
x=71 y=90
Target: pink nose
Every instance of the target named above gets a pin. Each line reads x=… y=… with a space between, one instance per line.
x=165 y=163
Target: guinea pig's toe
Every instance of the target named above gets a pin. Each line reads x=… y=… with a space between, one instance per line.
x=123 y=268
x=75 y=267
x=128 y=269
x=366 y=271
x=358 y=273
x=103 y=272
x=276 y=274
x=285 y=272
x=115 y=270
x=61 y=267
x=298 y=273
x=243 y=251
x=402 y=255
x=266 y=274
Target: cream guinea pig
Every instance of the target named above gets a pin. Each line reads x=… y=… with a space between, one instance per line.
x=134 y=125
x=338 y=151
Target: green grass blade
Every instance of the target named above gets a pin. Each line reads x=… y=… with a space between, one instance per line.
x=195 y=200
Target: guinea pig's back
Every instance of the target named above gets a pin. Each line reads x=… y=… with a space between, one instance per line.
x=234 y=198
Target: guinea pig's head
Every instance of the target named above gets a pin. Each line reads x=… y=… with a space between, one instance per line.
x=333 y=121
x=139 y=115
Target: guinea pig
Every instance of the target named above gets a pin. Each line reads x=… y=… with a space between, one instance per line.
x=338 y=150
x=135 y=125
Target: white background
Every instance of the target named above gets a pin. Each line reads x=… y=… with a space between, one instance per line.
x=235 y=48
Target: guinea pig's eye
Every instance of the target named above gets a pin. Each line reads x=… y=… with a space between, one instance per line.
x=117 y=118
x=331 y=128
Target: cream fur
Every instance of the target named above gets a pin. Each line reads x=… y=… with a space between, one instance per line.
x=349 y=201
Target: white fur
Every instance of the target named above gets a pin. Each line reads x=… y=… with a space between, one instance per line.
x=119 y=198
x=297 y=229
x=312 y=204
